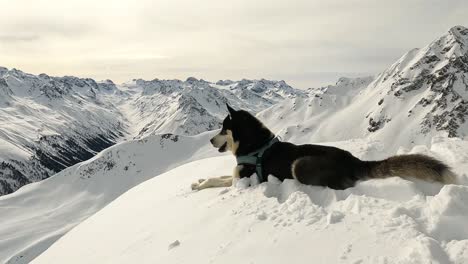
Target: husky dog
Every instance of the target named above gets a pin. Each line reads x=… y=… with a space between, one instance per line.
x=258 y=151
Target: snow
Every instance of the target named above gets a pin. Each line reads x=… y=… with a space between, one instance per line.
x=378 y=221
x=13 y=151
x=36 y=215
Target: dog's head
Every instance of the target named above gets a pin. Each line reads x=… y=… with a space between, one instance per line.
x=241 y=133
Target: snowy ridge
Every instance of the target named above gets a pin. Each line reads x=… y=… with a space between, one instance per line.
x=50 y=208
x=50 y=123
x=378 y=221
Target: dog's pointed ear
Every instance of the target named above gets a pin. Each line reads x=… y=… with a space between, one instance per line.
x=229 y=108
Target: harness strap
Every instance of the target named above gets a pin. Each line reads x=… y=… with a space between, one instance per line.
x=256 y=158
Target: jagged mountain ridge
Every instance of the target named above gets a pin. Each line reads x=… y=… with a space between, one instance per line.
x=50 y=123
x=423 y=94
x=194 y=106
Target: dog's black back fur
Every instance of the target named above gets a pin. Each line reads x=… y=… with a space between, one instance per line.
x=313 y=165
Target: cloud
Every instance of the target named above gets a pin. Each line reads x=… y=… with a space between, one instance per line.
x=305 y=42
x=43 y=28
x=18 y=38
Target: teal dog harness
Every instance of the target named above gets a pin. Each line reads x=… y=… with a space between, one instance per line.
x=255 y=158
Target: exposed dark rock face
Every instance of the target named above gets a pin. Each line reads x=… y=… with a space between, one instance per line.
x=375 y=125
x=11 y=178
x=67 y=152
x=438 y=76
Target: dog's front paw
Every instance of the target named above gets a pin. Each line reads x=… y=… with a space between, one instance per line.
x=196 y=185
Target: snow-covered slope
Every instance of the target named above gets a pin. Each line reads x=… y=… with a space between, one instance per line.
x=50 y=123
x=38 y=214
x=423 y=94
x=379 y=221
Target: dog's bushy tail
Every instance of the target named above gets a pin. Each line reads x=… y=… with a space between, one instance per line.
x=411 y=166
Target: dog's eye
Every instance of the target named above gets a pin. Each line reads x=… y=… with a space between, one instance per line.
x=223 y=132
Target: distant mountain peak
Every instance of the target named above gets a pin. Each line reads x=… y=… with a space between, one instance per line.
x=459 y=32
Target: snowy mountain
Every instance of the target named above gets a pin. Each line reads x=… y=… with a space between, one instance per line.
x=437 y=76
x=50 y=123
x=423 y=94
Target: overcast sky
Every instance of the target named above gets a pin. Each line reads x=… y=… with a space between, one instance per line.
x=308 y=43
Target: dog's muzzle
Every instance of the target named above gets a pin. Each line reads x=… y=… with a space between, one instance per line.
x=219 y=142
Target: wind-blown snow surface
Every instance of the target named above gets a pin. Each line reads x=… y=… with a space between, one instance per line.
x=378 y=221
x=38 y=214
